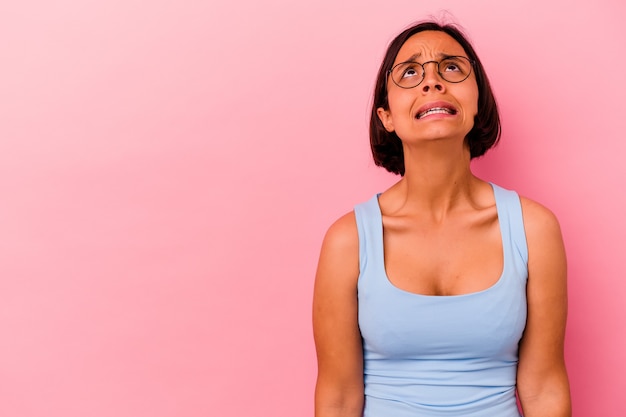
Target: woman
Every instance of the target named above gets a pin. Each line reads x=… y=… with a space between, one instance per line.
x=445 y=295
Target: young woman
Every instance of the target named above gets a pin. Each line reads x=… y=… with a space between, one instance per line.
x=444 y=295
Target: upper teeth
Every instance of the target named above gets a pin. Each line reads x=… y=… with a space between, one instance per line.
x=435 y=110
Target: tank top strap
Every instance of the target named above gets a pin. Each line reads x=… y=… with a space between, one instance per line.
x=369 y=225
x=511 y=224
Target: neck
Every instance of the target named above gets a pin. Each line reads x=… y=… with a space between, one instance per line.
x=436 y=180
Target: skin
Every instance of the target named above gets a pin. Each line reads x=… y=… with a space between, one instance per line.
x=441 y=237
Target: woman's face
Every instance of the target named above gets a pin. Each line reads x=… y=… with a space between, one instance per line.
x=436 y=108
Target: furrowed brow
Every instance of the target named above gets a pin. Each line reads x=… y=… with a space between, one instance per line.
x=446 y=56
x=440 y=55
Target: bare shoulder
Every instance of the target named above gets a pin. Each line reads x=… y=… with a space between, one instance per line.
x=546 y=252
x=339 y=257
x=539 y=222
x=342 y=235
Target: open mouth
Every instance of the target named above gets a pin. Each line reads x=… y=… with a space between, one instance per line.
x=435 y=110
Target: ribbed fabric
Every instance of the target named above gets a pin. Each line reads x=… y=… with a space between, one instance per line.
x=435 y=356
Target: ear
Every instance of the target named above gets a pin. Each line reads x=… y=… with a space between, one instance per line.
x=385 y=118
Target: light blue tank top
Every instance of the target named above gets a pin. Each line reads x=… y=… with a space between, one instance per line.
x=435 y=356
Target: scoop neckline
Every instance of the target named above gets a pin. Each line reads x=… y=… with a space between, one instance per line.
x=496 y=284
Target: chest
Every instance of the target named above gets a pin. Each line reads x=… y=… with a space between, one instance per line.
x=460 y=257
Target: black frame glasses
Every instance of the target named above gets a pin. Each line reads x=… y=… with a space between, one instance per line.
x=453 y=69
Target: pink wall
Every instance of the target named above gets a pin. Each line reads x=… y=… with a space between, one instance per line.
x=168 y=170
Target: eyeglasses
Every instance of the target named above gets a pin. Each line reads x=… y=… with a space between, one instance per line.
x=410 y=74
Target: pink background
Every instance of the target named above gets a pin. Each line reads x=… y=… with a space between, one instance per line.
x=168 y=170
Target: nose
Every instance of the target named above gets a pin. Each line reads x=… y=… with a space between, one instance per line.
x=432 y=79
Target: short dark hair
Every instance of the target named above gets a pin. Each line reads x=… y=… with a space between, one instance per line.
x=387 y=147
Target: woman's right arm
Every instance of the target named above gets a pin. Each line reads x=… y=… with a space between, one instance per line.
x=339 y=389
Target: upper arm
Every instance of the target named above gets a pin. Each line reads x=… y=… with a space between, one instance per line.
x=541 y=372
x=335 y=318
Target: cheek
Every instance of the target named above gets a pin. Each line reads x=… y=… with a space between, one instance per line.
x=471 y=102
x=400 y=100
x=475 y=96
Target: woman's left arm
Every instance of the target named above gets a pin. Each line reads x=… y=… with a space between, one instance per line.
x=542 y=382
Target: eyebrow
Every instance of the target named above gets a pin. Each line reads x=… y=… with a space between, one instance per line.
x=413 y=57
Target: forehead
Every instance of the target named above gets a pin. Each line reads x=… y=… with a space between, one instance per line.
x=429 y=45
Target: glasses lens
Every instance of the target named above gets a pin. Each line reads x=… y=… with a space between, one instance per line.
x=455 y=69
x=407 y=74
